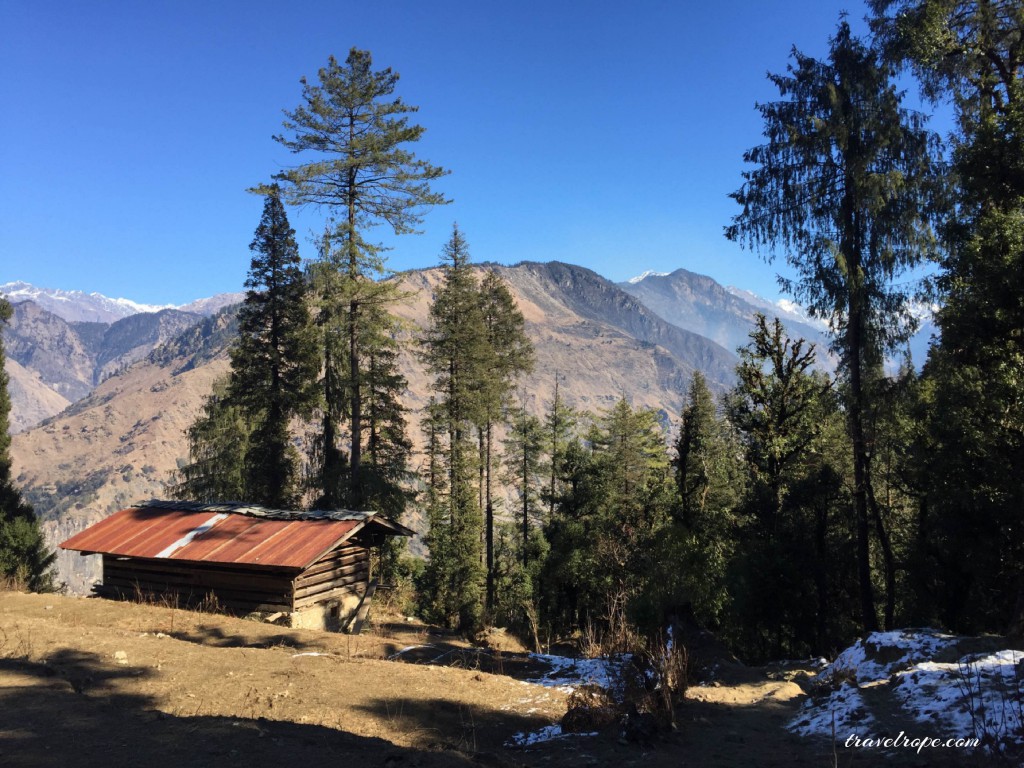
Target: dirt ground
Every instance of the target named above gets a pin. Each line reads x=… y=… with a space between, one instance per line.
x=89 y=682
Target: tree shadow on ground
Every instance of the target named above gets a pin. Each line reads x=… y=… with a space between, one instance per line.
x=214 y=635
x=520 y=666
x=68 y=711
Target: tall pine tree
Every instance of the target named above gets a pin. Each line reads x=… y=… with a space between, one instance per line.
x=456 y=353
x=844 y=188
x=273 y=364
x=361 y=170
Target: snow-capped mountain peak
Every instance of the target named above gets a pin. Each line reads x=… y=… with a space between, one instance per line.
x=79 y=306
x=648 y=273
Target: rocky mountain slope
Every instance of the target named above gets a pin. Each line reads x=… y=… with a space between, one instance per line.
x=699 y=304
x=71 y=358
x=123 y=441
x=79 y=306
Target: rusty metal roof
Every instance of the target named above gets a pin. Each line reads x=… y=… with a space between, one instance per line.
x=224 y=533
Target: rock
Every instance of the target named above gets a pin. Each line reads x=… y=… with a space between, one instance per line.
x=120 y=657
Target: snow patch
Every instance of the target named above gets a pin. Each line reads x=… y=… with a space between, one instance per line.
x=881 y=654
x=843 y=711
x=979 y=695
x=648 y=273
x=568 y=673
x=548 y=733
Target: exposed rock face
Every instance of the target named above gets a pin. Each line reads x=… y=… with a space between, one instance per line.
x=122 y=441
x=701 y=305
x=71 y=358
x=34 y=401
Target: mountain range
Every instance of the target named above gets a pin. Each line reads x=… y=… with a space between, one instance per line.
x=101 y=408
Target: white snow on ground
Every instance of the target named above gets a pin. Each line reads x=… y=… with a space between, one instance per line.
x=841 y=712
x=979 y=695
x=567 y=673
x=882 y=654
x=547 y=733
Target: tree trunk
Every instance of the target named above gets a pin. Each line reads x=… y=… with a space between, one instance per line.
x=490 y=518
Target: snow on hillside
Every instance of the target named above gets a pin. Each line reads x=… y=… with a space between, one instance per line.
x=648 y=273
x=924 y=675
x=79 y=306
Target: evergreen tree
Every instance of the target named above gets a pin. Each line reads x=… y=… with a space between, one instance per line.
x=559 y=426
x=24 y=556
x=363 y=173
x=789 y=573
x=972 y=542
x=844 y=186
x=511 y=355
x=456 y=353
x=604 y=532
x=523 y=447
x=273 y=363
x=218 y=442
x=696 y=550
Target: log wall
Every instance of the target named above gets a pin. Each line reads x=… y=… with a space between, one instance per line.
x=235 y=587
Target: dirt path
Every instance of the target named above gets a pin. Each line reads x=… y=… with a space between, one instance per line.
x=87 y=682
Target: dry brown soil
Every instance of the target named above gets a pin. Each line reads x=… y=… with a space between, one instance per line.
x=89 y=682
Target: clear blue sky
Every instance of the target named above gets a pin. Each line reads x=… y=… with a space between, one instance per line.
x=606 y=134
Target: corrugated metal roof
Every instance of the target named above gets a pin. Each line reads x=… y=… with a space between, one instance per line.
x=223 y=533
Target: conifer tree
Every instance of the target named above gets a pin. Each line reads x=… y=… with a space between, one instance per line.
x=695 y=552
x=456 y=353
x=845 y=187
x=273 y=363
x=363 y=173
x=218 y=442
x=511 y=355
x=971 y=54
x=559 y=426
x=790 y=571
x=24 y=556
x=523 y=447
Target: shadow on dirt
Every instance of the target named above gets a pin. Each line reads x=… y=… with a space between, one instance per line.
x=215 y=636
x=69 y=711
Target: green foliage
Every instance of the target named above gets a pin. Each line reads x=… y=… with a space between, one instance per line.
x=24 y=556
x=456 y=353
x=695 y=551
x=218 y=442
x=846 y=186
x=510 y=354
x=273 y=363
x=970 y=552
x=355 y=137
x=605 y=527
x=792 y=571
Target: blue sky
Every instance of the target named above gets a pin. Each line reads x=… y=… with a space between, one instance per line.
x=606 y=134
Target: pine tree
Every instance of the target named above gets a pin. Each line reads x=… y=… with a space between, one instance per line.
x=218 y=442
x=511 y=355
x=788 y=573
x=523 y=447
x=456 y=353
x=971 y=54
x=363 y=173
x=273 y=363
x=695 y=552
x=559 y=426
x=845 y=186
x=24 y=556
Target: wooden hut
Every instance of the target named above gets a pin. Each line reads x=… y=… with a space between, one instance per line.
x=313 y=567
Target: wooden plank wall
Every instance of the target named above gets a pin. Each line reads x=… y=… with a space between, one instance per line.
x=346 y=569
x=235 y=587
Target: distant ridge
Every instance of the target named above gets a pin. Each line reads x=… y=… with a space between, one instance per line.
x=79 y=306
